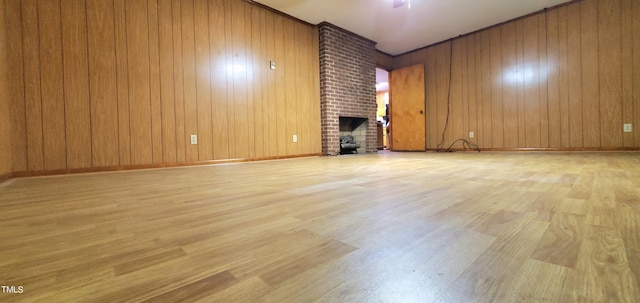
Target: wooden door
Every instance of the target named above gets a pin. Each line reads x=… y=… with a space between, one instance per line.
x=407 y=105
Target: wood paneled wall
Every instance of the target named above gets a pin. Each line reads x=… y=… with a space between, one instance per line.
x=5 y=122
x=126 y=82
x=565 y=78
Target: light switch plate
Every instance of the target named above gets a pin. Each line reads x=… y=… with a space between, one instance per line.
x=470 y=134
x=272 y=64
x=628 y=128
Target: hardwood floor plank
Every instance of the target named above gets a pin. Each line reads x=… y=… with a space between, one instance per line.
x=389 y=227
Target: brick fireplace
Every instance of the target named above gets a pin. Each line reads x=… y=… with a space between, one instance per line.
x=347 y=85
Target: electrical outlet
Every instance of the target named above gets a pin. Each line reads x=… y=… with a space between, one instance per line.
x=628 y=128
x=194 y=139
x=470 y=134
x=295 y=138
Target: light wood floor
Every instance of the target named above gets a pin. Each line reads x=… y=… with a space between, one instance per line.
x=395 y=227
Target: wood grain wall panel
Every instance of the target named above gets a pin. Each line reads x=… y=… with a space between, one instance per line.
x=509 y=88
x=229 y=53
x=218 y=79
x=574 y=76
x=626 y=22
x=442 y=71
x=139 y=78
x=154 y=81
x=471 y=86
x=542 y=80
x=479 y=90
x=432 y=130
x=609 y=52
x=455 y=119
x=122 y=77
x=572 y=72
x=636 y=71
x=76 y=84
x=6 y=138
x=590 y=84
x=258 y=65
x=314 y=49
x=281 y=113
x=167 y=92
x=52 y=86
x=127 y=82
x=497 y=116
x=304 y=112
x=531 y=81
x=563 y=76
x=487 y=83
x=240 y=81
x=272 y=84
x=189 y=79
x=520 y=84
x=103 y=86
x=16 y=78
x=290 y=86
x=553 y=85
x=248 y=46
x=203 y=80
x=182 y=138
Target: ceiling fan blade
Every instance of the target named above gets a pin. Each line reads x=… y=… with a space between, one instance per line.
x=398 y=3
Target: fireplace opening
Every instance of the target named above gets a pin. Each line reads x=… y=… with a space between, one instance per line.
x=356 y=127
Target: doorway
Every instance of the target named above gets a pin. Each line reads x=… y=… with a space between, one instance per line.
x=407 y=109
x=382 y=112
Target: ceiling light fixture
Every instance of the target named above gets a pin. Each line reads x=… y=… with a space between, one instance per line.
x=400 y=3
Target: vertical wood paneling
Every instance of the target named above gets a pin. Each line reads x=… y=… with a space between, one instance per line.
x=432 y=130
x=203 y=80
x=636 y=70
x=239 y=81
x=281 y=114
x=52 y=86
x=114 y=82
x=6 y=138
x=167 y=92
x=76 y=84
x=553 y=85
x=229 y=55
x=574 y=76
x=497 y=116
x=122 y=76
x=182 y=138
x=154 y=82
x=258 y=65
x=219 y=79
x=103 y=83
x=509 y=88
x=274 y=122
x=189 y=79
x=530 y=74
x=610 y=73
x=471 y=82
x=290 y=87
x=590 y=88
x=520 y=84
x=455 y=119
x=250 y=117
x=626 y=22
x=487 y=83
x=562 y=78
x=15 y=80
x=542 y=80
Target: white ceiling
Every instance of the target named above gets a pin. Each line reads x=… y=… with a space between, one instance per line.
x=402 y=29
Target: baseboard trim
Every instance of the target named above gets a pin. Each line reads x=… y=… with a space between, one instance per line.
x=40 y=173
x=550 y=149
x=6 y=177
